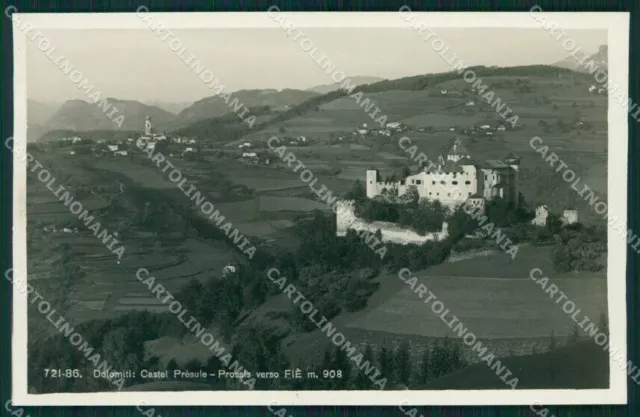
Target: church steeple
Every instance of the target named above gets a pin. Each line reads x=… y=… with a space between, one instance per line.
x=147 y=126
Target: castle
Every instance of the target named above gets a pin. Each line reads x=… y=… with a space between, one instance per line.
x=457 y=179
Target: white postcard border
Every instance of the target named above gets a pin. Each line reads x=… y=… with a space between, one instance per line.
x=617 y=25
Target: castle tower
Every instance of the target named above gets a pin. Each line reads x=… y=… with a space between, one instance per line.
x=372 y=183
x=457 y=151
x=147 y=126
x=513 y=162
x=345 y=216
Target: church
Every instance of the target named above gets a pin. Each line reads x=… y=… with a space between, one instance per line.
x=456 y=179
x=148 y=133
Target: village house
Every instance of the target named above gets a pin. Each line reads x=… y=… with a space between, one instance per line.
x=542 y=212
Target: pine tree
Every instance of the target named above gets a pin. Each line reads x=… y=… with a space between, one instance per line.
x=403 y=362
x=362 y=380
x=424 y=366
x=172 y=365
x=603 y=324
x=575 y=335
x=552 y=341
x=437 y=362
x=341 y=363
x=386 y=365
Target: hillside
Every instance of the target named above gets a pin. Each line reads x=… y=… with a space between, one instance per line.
x=581 y=366
x=170 y=106
x=216 y=106
x=39 y=113
x=79 y=115
x=600 y=58
x=327 y=88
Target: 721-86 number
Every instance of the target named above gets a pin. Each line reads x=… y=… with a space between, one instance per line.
x=62 y=373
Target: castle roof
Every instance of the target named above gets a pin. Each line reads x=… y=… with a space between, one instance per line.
x=458 y=148
x=450 y=166
x=467 y=161
x=494 y=164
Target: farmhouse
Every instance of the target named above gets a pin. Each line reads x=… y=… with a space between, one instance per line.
x=542 y=212
x=455 y=180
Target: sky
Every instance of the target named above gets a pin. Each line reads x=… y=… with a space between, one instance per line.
x=135 y=64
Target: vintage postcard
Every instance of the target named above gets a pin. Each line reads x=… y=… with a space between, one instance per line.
x=283 y=209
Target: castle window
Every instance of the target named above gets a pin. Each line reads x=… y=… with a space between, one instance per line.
x=454 y=182
x=437 y=193
x=486 y=177
x=469 y=194
x=370 y=182
x=418 y=182
x=443 y=182
x=467 y=182
x=413 y=181
x=429 y=193
x=448 y=194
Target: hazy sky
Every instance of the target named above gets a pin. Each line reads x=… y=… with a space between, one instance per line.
x=135 y=64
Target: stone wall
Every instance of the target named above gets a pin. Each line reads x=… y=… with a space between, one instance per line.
x=346 y=219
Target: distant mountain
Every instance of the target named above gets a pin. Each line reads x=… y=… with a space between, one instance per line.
x=215 y=106
x=327 y=88
x=38 y=112
x=171 y=107
x=79 y=115
x=600 y=59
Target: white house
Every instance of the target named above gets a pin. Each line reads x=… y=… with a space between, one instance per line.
x=72 y=152
x=485 y=127
x=443 y=92
x=191 y=141
x=592 y=88
x=228 y=270
x=452 y=129
x=121 y=153
x=113 y=148
x=249 y=155
x=501 y=128
x=363 y=131
x=570 y=216
x=188 y=150
x=542 y=212
x=470 y=103
x=489 y=133
x=393 y=125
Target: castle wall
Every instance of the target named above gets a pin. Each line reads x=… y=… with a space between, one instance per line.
x=346 y=220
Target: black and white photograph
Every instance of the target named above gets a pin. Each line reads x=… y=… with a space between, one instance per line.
x=279 y=209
